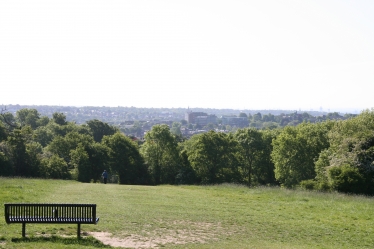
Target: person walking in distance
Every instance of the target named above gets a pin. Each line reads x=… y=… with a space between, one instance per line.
x=105 y=176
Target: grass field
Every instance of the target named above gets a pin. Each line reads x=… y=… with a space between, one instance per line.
x=224 y=216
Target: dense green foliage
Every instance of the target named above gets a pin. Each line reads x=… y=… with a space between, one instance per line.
x=212 y=156
x=161 y=154
x=296 y=149
x=329 y=155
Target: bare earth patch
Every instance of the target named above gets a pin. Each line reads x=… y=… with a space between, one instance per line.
x=2 y=243
x=177 y=232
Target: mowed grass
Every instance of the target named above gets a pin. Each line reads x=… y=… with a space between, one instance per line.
x=223 y=216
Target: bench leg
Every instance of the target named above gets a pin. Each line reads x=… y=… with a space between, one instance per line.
x=79 y=231
x=23 y=229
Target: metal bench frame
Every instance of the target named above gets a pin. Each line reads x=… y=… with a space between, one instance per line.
x=50 y=213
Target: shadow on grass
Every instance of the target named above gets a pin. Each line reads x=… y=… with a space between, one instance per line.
x=87 y=241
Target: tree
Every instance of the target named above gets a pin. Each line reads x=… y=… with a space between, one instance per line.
x=125 y=159
x=100 y=129
x=42 y=121
x=62 y=146
x=28 y=117
x=81 y=153
x=186 y=174
x=209 y=127
x=43 y=135
x=346 y=179
x=257 y=117
x=268 y=118
x=62 y=130
x=8 y=119
x=212 y=156
x=17 y=142
x=6 y=165
x=136 y=130
x=55 y=167
x=351 y=154
x=161 y=154
x=176 y=129
x=59 y=118
x=20 y=155
x=98 y=157
x=249 y=149
x=3 y=132
x=321 y=165
x=33 y=158
x=80 y=161
x=296 y=149
x=270 y=125
x=264 y=170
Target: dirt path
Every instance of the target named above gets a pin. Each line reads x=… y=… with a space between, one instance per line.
x=195 y=233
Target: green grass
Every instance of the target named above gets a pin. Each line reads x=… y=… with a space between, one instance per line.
x=224 y=216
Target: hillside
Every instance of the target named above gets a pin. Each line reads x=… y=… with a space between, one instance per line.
x=221 y=216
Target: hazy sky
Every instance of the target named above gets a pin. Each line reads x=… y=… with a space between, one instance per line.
x=237 y=54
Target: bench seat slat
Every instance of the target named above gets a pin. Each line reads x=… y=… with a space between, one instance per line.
x=51 y=220
x=50 y=213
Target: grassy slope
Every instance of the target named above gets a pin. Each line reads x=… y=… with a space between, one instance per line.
x=225 y=216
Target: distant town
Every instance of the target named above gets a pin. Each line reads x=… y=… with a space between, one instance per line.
x=135 y=122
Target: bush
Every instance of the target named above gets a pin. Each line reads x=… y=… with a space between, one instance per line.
x=6 y=168
x=347 y=179
x=315 y=185
x=322 y=186
x=185 y=176
x=55 y=168
x=309 y=184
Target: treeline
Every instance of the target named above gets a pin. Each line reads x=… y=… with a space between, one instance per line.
x=329 y=155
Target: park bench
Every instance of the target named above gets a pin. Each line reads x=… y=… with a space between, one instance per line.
x=50 y=213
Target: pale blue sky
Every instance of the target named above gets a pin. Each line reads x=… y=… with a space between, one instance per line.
x=269 y=54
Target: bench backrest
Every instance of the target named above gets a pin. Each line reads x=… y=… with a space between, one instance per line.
x=50 y=213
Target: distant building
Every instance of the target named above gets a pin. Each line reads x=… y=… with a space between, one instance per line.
x=190 y=117
x=235 y=121
x=204 y=120
x=200 y=118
